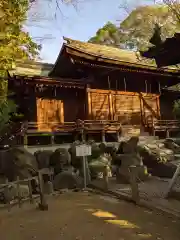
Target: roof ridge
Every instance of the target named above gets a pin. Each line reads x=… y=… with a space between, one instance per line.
x=70 y=41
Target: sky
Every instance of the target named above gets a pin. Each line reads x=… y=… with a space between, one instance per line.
x=47 y=25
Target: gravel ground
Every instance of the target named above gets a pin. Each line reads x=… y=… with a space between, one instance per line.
x=84 y=216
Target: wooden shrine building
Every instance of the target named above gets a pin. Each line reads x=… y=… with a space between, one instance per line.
x=94 y=83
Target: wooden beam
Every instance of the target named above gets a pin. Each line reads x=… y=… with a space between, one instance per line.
x=89 y=103
x=93 y=90
x=111 y=106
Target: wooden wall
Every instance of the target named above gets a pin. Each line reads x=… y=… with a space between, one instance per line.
x=62 y=105
x=127 y=107
x=49 y=112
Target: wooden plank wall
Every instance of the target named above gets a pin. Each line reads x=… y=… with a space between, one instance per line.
x=100 y=105
x=126 y=107
x=49 y=111
x=153 y=101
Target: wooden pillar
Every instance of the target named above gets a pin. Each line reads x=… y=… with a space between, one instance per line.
x=43 y=204
x=89 y=103
x=134 y=184
x=105 y=177
x=153 y=127
x=158 y=106
x=62 y=112
x=142 y=110
x=111 y=113
x=124 y=84
x=146 y=86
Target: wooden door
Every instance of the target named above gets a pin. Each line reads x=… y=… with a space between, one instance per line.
x=49 y=113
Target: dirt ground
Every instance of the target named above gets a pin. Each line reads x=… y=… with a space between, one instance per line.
x=85 y=216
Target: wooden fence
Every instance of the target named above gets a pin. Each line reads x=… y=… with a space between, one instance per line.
x=19 y=199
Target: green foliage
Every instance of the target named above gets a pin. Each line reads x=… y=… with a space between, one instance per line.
x=15 y=44
x=139 y=25
x=176 y=109
x=137 y=29
x=7 y=107
x=108 y=35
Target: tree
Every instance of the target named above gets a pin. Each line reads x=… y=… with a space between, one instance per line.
x=15 y=44
x=108 y=35
x=174 y=8
x=139 y=25
x=137 y=29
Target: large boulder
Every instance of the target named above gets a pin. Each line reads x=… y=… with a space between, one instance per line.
x=59 y=160
x=130 y=146
x=43 y=158
x=97 y=166
x=17 y=162
x=96 y=151
x=76 y=162
x=157 y=160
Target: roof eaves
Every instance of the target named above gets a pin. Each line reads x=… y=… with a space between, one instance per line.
x=118 y=62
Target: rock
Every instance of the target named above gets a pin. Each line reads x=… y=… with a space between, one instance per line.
x=170 y=144
x=102 y=147
x=76 y=162
x=96 y=151
x=155 y=154
x=163 y=170
x=43 y=158
x=111 y=150
x=116 y=160
x=97 y=167
x=59 y=160
x=157 y=161
x=18 y=162
x=120 y=148
x=131 y=145
x=67 y=180
x=48 y=187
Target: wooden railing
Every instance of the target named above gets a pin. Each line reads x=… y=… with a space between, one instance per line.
x=82 y=127
x=87 y=125
x=164 y=126
x=34 y=127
